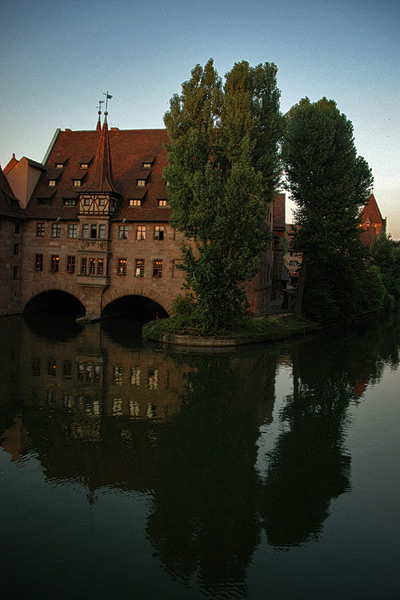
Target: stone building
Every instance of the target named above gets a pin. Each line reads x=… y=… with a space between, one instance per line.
x=372 y=223
x=96 y=224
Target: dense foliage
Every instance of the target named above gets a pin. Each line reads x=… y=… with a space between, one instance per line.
x=223 y=168
x=385 y=254
x=329 y=184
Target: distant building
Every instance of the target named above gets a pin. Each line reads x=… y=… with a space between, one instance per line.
x=96 y=224
x=372 y=223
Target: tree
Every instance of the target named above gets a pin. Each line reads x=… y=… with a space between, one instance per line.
x=385 y=253
x=223 y=168
x=329 y=184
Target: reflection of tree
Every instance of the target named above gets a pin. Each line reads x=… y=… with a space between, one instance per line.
x=205 y=517
x=308 y=465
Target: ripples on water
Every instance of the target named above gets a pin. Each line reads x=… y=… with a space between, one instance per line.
x=151 y=472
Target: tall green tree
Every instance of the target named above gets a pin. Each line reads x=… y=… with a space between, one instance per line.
x=329 y=184
x=223 y=168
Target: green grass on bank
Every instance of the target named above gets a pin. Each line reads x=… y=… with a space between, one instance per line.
x=251 y=331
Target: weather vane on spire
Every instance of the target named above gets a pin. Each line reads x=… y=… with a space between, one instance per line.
x=99 y=106
x=108 y=97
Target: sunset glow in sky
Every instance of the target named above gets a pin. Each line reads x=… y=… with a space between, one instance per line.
x=59 y=57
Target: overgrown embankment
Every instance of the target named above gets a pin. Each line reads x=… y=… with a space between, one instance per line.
x=184 y=331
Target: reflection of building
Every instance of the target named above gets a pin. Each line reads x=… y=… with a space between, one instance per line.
x=98 y=222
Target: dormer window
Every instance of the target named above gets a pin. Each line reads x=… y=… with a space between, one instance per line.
x=162 y=203
x=140 y=182
x=76 y=182
x=52 y=183
x=84 y=165
x=59 y=165
x=134 y=202
x=146 y=165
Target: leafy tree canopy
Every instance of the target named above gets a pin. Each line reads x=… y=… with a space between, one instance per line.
x=223 y=169
x=329 y=184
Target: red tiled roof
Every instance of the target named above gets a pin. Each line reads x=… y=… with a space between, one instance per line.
x=128 y=149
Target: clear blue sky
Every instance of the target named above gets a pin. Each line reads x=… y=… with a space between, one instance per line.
x=58 y=57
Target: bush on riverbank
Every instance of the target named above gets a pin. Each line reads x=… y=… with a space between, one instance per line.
x=251 y=331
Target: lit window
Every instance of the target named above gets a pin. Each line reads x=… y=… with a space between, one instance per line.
x=157 y=268
x=162 y=203
x=56 y=230
x=141 y=232
x=146 y=165
x=38 y=262
x=59 y=165
x=139 y=268
x=52 y=183
x=92 y=266
x=100 y=266
x=159 y=232
x=70 y=264
x=72 y=230
x=84 y=165
x=141 y=182
x=122 y=262
x=40 y=230
x=54 y=264
x=133 y=202
x=123 y=232
x=77 y=183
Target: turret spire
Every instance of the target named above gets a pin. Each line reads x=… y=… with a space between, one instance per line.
x=98 y=128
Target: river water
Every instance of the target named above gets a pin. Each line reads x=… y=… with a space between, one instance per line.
x=271 y=471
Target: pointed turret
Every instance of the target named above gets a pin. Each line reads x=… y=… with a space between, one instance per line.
x=98 y=128
x=101 y=179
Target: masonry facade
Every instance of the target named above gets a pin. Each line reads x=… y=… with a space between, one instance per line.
x=96 y=223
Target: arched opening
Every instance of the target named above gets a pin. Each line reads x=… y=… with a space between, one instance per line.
x=124 y=318
x=63 y=308
x=136 y=308
x=55 y=301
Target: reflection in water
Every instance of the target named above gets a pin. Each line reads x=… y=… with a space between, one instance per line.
x=99 y=409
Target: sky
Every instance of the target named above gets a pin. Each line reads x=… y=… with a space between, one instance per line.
x=58 y=58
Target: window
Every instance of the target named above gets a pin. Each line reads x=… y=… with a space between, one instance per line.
x=123 y=232
x=146 y=165
x=92 y=266
x=59 y=165
x=70 y=264
x=16 y=249
x=86 y=202
x=84 y=165
x=54 y=263
x=100 y=266
x=141 y=232
x=122 y=262
x=38 y=262
x=69 y=202
x=159 y=232
x=77 y=183
x=16 y=228
x=162 y=203
x=56 y=230
x=139 y=268
x=52 y=367
x=85 y=231
x=157 y=268
x=102 y=232
x=15 y=273
x=133 y=202
x=52 y=183
x=93 y=231
x=83 y=266
x=43 y=201
x=141 y=182
x=72 y=230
